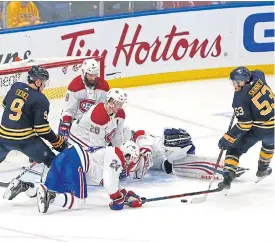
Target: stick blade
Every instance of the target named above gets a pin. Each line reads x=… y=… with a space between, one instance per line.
x=197 y=200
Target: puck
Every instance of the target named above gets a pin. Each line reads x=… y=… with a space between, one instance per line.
x=183 y=200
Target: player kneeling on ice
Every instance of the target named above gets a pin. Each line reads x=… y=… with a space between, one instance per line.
x=174 y=152
x=65 y=185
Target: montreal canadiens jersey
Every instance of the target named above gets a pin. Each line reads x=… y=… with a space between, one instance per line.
x=102 y=166
x=79 y=98
x=98 y=128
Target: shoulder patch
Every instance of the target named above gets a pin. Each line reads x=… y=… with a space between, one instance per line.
x=99 y=115
x=76 y=84
x=120 y=156
x=103 y=85
x=120 y=114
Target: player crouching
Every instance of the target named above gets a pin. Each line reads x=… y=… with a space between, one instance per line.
x=66 y=187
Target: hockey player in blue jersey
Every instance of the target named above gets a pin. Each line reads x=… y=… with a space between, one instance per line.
x=253 y=104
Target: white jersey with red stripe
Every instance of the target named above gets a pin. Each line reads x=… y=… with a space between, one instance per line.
x=79 y=98
x=184 y=164
x=98 y=128
x=102 y=166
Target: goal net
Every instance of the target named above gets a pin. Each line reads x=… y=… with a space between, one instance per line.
x=61 y=71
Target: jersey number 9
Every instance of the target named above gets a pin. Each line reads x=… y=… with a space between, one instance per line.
x=265 y=106
x=16 y=108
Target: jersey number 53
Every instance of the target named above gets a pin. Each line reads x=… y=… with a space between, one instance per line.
x=265 y=106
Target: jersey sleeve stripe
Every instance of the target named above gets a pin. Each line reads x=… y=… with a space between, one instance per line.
x=41 y=126
x=15 y=134
x=15 y=130
x=43 y=130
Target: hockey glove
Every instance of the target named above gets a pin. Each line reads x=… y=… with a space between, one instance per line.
x=118 y=200
x=64 y=130
x=227 y=141
x=59 y=144
x=133 y=200
x=124 y=196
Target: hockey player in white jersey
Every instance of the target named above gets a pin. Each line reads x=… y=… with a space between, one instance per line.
x=83 y=92
x=66 y=182
x=174 y=152
x=103 y=124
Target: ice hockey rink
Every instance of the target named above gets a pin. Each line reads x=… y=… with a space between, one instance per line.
x=202 y=108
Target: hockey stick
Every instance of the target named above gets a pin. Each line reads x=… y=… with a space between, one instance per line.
x=145 y=200
x=203 y=198
x=5 y=184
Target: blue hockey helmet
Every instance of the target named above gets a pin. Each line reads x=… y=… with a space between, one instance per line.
x=240 y=73
x=37 y=72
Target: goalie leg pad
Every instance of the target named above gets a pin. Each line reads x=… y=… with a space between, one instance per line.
x=197 y=167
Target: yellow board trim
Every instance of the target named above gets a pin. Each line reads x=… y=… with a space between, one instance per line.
x=162 y=78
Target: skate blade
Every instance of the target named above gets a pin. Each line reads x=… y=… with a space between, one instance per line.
x=259 y=179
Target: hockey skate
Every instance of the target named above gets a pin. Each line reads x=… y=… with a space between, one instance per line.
x=261 y=174
x=228 y=177
x=44 y=198
x=15 y=187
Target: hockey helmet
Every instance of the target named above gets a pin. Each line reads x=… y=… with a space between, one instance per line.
x=130 y=152
x=118 y=95
x=38 y=73
x=90 y=66
x=240 y=73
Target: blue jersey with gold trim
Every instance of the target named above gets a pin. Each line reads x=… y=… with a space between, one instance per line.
x=25 y=115
x=254 y=104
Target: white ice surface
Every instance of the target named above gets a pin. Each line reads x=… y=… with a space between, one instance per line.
x=246 y=214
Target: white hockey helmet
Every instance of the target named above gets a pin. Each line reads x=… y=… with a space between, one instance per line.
x=130 y=152
x=90 y=66
x=117 y=94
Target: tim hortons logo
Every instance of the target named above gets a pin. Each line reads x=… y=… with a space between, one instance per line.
x=85 y=104
x=176 y=45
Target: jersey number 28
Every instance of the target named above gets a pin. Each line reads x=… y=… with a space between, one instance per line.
x=265 y=106
x=16 y=108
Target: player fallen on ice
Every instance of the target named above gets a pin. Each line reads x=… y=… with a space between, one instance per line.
x=83 y=92
x=253 y=105
x=25 y=124
x=66 y=185
x=173 y=153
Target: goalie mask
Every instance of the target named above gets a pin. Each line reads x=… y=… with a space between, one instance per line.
x=90 y=72
x=130 y=152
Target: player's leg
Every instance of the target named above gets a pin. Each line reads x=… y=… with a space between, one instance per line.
x=36 y=149
x=233 y=155
x=4 y=150
x=72 y=192
x=266 y=154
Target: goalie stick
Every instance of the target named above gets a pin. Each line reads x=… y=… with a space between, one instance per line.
x=203 y=198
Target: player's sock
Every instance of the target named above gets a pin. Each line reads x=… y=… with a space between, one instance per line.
x=231 y=163
x=67 y=200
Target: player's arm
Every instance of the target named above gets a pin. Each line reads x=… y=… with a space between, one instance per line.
x=42 y=126
x=114 y=162
x=118 y=138
x=105 y=88
x=69 y=112
x=244 y=124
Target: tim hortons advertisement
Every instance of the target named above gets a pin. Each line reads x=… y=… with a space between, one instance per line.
x=149 y=44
